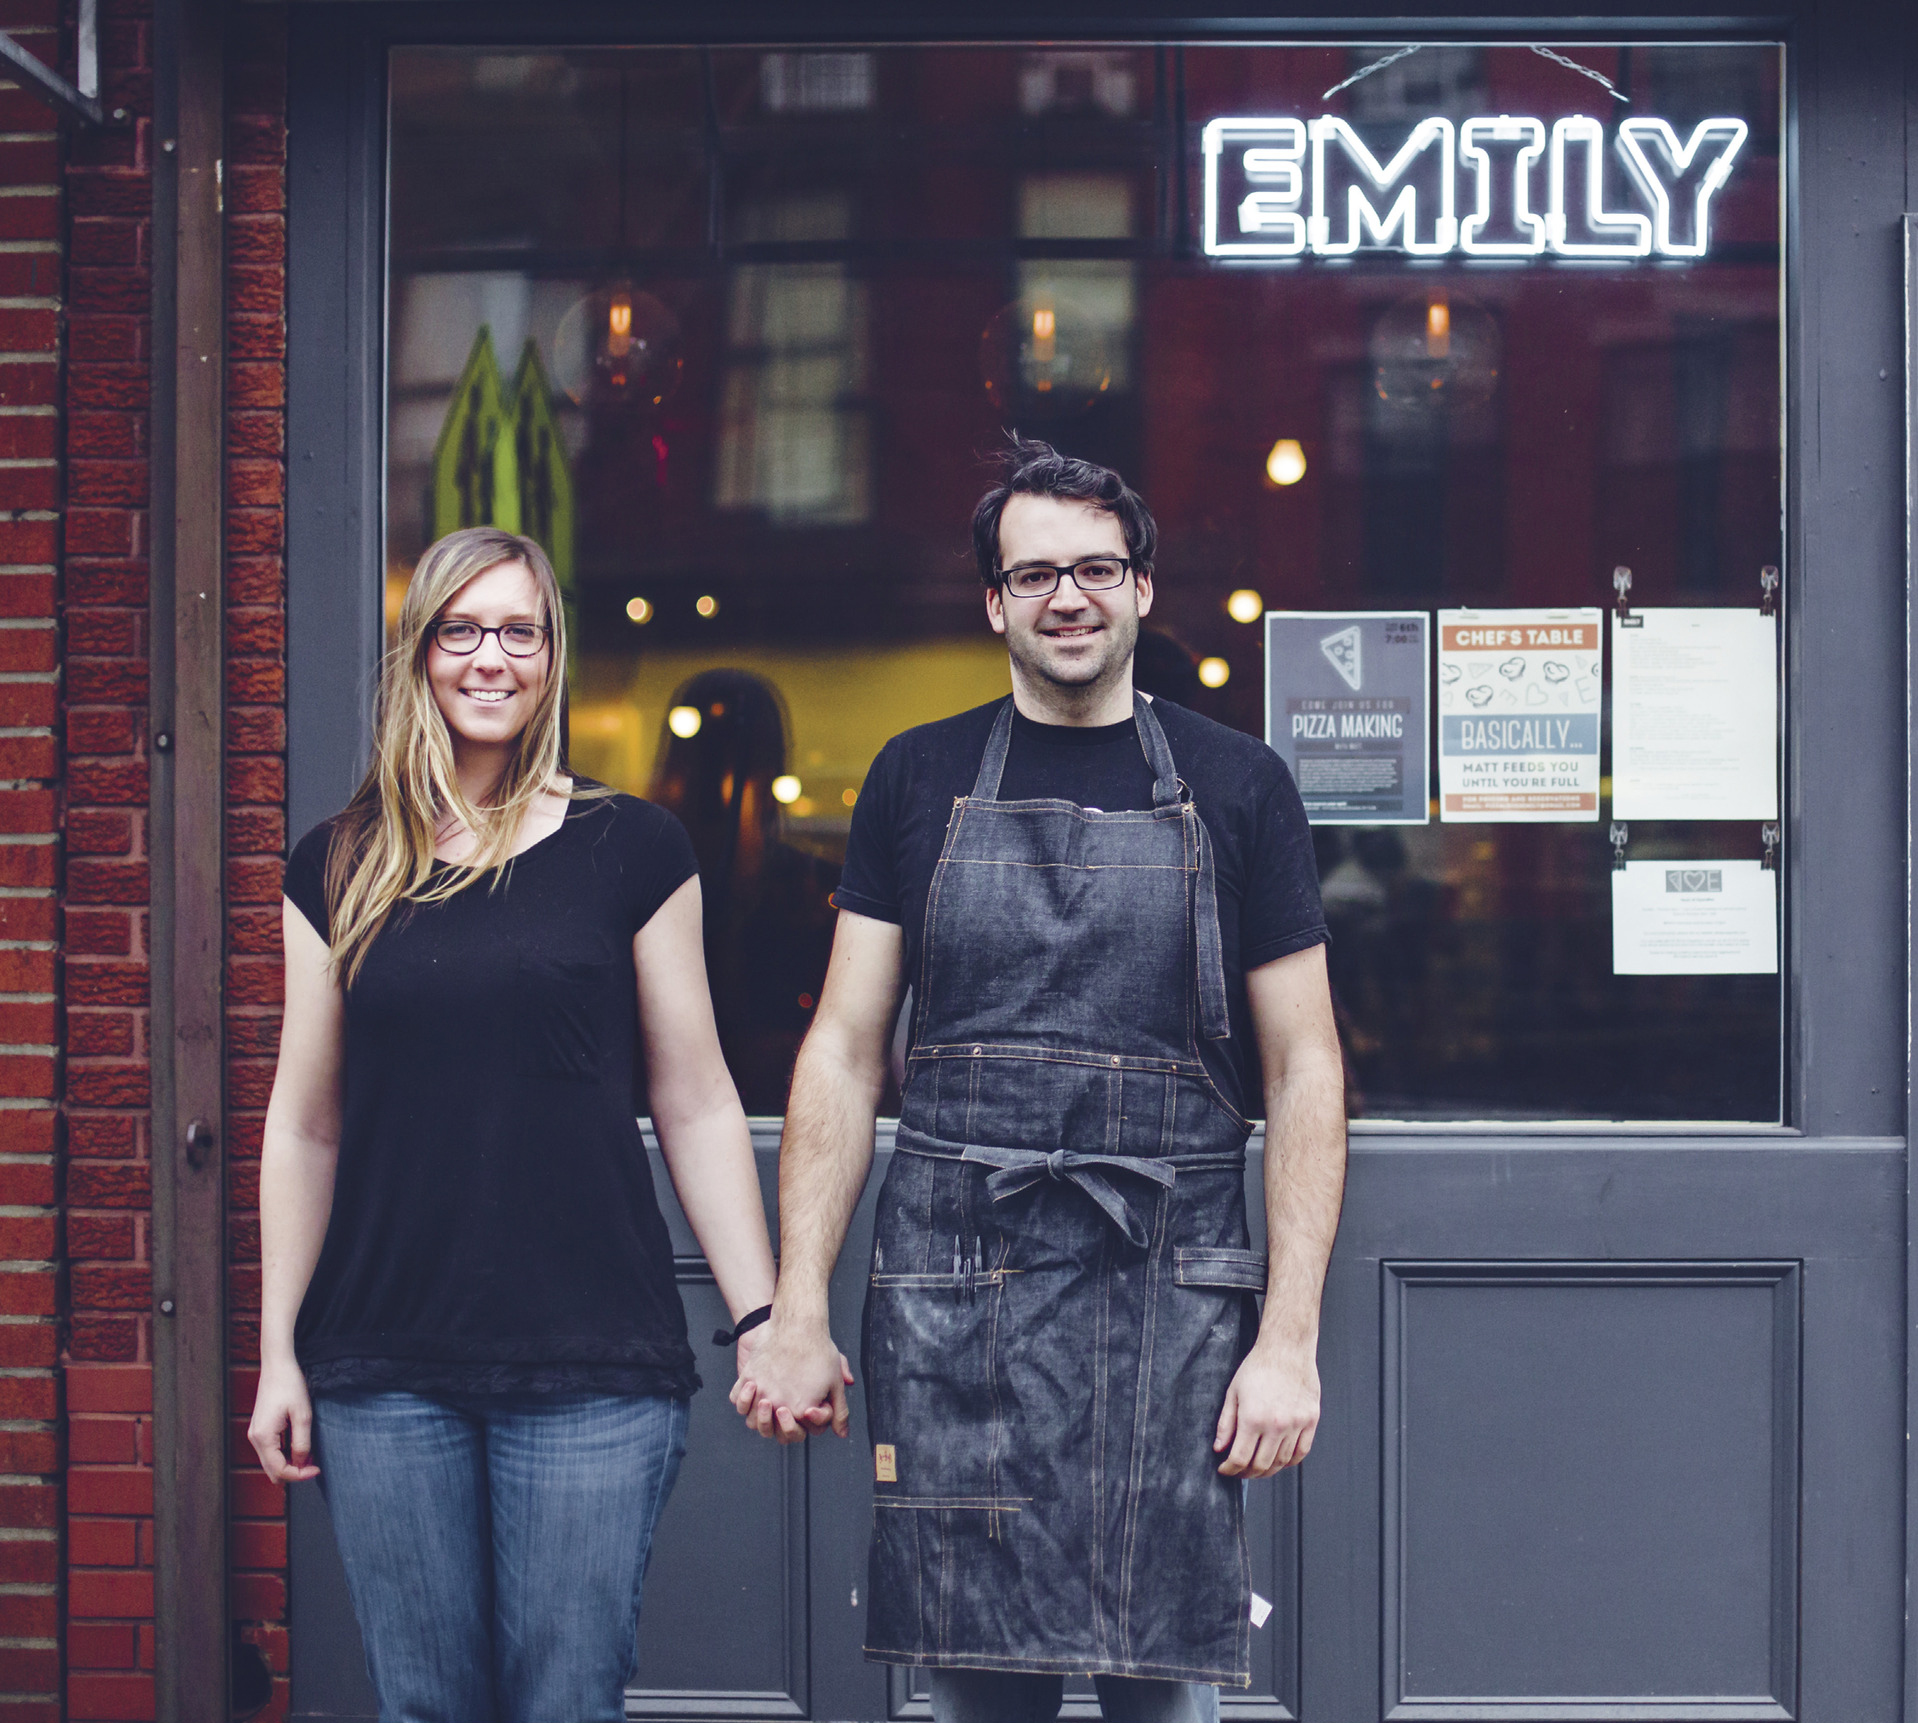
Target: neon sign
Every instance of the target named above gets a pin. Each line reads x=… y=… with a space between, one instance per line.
x=1292 y=187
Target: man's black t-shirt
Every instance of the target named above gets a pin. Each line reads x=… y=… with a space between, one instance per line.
x=1262 y=845
x=494 y=1225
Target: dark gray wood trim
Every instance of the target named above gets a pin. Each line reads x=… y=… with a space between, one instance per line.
x=189 y=1137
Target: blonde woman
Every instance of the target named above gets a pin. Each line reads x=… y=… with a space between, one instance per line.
x=470 y=1331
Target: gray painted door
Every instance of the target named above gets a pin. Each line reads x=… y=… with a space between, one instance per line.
x=1612 y=1431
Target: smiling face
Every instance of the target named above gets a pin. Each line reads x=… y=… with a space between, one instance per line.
x=1073 y=645
x=487 y=697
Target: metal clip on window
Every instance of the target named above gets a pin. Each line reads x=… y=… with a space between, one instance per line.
x=1622 y=584
x=1768 y=835
x=1768 y=590
x=1621 y=836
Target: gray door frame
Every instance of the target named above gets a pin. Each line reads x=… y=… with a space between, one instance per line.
x=1818 y=1203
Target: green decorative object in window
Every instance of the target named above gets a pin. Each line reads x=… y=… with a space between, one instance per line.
x=475 y=463
x=546 y=511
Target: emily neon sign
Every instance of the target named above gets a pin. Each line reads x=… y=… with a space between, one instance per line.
x=1292 y=187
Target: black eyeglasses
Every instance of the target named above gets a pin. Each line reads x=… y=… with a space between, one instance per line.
x=1041 y=579
x=516 y=639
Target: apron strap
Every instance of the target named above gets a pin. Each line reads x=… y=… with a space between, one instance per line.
x=985 y=788
x=1020 y=1169
x=1158 y=753
x=1213 y=1021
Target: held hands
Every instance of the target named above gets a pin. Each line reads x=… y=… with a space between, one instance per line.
x=282 y=1405
x=792 y=1381
x=1271 y=1410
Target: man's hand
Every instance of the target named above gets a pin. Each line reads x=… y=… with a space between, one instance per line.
x=1271 y=1411
x=792 y=1381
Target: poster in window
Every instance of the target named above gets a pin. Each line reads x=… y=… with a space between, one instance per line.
x=1695 y=715
x=1694 y=918
x=1346 y=698
x=1519 y=701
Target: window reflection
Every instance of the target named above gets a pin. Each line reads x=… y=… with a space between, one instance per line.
x=730 y=328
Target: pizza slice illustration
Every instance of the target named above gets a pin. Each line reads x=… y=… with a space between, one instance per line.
x=1342 y=653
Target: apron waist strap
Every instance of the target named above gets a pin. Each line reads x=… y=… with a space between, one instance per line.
x=1016 y=1170
x=1020 y=1169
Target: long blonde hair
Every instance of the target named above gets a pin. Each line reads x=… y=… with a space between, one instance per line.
x=381 y=854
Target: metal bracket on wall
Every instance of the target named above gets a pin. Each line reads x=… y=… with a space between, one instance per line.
x=80 y=100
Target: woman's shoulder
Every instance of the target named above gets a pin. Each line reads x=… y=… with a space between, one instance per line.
x=630 y=825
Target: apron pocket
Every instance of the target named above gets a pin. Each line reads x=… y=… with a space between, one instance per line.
x=1218 y=1266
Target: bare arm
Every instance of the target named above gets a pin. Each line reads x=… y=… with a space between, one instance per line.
x=1272 y=1408
x=823 y=1162
x=696 y=1112
x=298 y=1157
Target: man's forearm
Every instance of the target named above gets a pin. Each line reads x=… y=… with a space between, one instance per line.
x=1304 y=1189
x=824 y=1157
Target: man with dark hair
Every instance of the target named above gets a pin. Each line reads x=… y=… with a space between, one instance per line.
x=1107 y=911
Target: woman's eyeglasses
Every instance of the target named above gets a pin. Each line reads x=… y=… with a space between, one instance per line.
x=516 y=639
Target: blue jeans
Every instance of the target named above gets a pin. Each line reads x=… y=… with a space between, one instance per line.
x=495 y=1545
x=996 y=1696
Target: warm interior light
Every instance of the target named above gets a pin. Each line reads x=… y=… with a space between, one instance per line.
x=1044 y=324
x=1286 y=463
x=639 y=610
x=684 y=722
x=1245 y=605
x=849 y=797
x=1214 y=672
x=1438 y=329
x=706 y=604
x=619 y=326
x=786 y=789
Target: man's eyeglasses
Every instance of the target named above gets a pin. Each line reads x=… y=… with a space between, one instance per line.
x=516 y=639
x=1041 y=579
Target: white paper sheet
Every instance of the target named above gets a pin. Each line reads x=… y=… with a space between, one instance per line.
x=1520 y=694
x=1695 y=715
x=1694 y=918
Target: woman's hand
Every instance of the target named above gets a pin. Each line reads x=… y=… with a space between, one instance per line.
x=768 y=1356
x=283 y=1406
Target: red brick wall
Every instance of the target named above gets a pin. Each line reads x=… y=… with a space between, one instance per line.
x=109 y=1650
x=31 y=288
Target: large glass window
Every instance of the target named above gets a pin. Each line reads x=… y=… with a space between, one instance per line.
x=730 y=330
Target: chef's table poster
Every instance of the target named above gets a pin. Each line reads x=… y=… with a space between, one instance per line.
x=1520 y=696
x=1346 y=697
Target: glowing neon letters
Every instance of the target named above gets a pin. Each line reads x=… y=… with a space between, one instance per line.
x=1286 y=187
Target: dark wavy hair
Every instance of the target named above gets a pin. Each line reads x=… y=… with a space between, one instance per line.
x=1030 y=468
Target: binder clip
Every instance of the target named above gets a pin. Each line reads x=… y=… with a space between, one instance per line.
x=1621 y=836
x=1768 y=836
x=1768 y=590
x=1622 y=585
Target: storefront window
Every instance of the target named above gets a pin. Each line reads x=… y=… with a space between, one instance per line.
x=730 y=331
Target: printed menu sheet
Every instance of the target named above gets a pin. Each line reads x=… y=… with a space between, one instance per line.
x=1346 y=698
x=1695 y=715
x=1694 y=918
x=1519 y=700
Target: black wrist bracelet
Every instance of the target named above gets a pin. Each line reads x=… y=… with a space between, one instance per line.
x=745 y=1325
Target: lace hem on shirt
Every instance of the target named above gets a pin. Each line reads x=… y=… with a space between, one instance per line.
x=436 y=1376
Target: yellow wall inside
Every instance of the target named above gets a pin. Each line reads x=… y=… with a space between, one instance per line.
x=844 y=703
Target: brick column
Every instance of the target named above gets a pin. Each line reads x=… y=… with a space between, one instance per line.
x=30 y=312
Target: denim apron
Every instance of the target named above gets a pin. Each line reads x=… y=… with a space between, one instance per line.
x=1061 y=1282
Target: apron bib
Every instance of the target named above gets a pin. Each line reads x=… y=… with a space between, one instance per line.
x=1062 y=1284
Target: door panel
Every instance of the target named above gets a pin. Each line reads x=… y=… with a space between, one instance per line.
x=1608 y=1433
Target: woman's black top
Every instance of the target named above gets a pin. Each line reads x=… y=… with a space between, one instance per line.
x=494 y=1226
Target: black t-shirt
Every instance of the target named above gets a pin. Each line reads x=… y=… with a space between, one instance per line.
x=494 y=1225
x=1262 y=845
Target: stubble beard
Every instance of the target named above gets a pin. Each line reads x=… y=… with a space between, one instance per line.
x=1093 y=675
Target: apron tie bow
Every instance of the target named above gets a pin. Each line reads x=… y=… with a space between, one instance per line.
x=1020 y=1169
